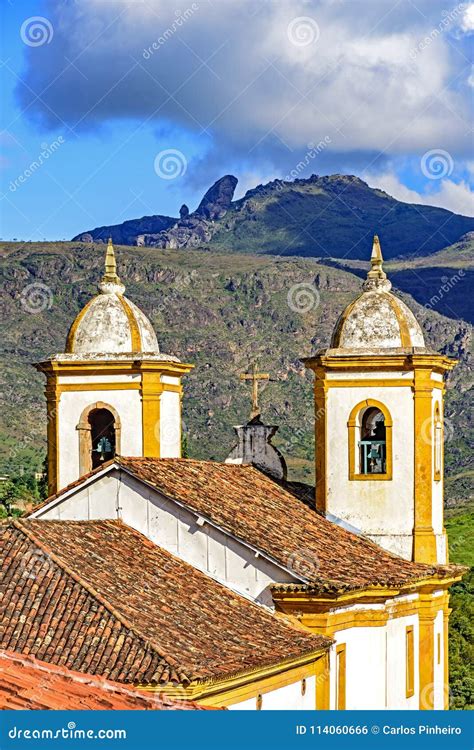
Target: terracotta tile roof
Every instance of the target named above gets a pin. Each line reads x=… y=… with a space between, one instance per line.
x=98 y=597
x=26 y=683
x=257 y=510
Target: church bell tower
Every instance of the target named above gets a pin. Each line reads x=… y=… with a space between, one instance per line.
x=379 y=424
x=112 y=392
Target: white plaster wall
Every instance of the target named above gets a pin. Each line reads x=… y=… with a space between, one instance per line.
x=381 y=509
x=365 y=667
x=175 y=529
x=437 y=509
x=170 y=425
x=71 y=405
x=376 y=662
x=396 y=663
x=79 y=379
x=287 y=698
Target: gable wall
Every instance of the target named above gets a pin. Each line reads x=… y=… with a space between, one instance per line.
x=175 y=529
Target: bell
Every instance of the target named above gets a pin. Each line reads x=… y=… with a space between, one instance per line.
x=103 y=446
x=374 y=452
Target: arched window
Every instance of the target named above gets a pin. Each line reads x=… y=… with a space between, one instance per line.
x=370 y=441
x=99 y=436
x=437 y=443
x=102 y=424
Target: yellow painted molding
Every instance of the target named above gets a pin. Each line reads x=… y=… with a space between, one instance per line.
x=73 y=329
x=79 y=387
x=151 y=390
x=245 y=686
x=53 y=396
x=321 y=440
x=424 y=539
x=446 y=613
x=341 y=671
x=373 y=362
x=132 y=322
x=323 y=683
x=371 y=383
x=116 y=366
x=410 y=661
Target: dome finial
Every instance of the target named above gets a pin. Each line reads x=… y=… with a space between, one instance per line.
x=110 y=283
x=376 y=277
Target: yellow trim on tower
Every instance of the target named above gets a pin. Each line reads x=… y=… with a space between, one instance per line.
x=321 y=439
x=73 y=329
x=136 y=338
x=424 y=539
x=405 y=338
x=409 y=661
x=53 y=396
x=336 y=337
x=151 y=390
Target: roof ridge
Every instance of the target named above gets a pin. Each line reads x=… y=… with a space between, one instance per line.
x=17 y=523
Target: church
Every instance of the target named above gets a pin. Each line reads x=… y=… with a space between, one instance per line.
x=218 y=584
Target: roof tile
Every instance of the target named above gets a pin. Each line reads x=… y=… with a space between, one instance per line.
x=98 y=597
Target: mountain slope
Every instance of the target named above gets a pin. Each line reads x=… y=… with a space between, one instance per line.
x=219 y=312
x=332 y=216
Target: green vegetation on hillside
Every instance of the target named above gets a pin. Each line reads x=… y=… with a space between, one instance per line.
x=460 y=529
x=219 y=312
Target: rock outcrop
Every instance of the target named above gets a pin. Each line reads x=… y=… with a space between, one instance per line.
x=333 y=216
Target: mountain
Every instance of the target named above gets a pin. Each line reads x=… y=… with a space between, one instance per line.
x=332 y=216
x=221 y=312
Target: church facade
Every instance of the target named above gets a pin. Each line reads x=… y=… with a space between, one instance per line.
x=362 y=574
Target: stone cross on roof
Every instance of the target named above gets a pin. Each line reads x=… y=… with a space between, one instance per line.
x=255 y=377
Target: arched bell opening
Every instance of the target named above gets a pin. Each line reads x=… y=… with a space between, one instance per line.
x=370 y=441
x=99 y=436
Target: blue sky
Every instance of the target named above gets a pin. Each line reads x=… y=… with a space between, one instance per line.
x=97 y=93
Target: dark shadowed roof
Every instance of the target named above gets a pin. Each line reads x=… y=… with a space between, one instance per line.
x=98 y=597
x=26 y=683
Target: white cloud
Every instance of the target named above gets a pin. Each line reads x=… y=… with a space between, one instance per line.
x=233 y=69
x=455 y=196
x=467 y=23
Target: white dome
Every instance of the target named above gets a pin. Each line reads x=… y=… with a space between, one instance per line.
x=377 y=319
x=110 y=323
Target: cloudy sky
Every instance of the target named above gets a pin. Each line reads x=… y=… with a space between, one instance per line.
x=115 y=109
